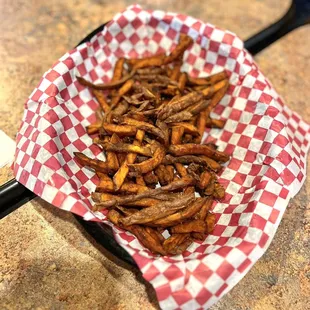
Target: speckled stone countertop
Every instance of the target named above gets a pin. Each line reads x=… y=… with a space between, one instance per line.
x=46 y=261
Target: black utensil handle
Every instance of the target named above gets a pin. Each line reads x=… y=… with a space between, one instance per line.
x=14 y=194
x=297 y=15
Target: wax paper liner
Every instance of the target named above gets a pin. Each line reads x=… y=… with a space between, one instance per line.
x=268 y=143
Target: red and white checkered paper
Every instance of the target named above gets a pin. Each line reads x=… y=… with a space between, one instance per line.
x=268 y=143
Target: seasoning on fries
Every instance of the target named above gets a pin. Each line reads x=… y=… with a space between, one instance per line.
x=150 y=124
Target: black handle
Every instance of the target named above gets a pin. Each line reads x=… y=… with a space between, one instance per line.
x=14 y=194
x=297 y=15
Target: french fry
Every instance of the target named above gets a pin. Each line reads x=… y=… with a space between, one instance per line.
x=182 y=81
x=149 y=240
x=142 y=203
x=125 y=148
x=101 y=99
x=118 y=70
x=150 y=164
x=158 y=211
x=187 y=159
x=106 y=185
x=173 y=245
x=197 y=149
x=150 y=178
x=210 y=220
x=188 y=128
x=219 y=191
x=175 y=185
x=122 y=172
x=212 y=79
x=176 y=134
x=179 y=104
x=211 y=90
x=191 y=226
x=184 y=42
x=182 y=215
x=110 y=85
x=176 y=72
x=114 y=217
x=205 y=178
x=96 y=164
x=120 y=130
x=140 y=180
x=215 y=123
x=143 y=126
x=93 y=128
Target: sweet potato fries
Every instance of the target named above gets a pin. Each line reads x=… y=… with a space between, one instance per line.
x=150 y=123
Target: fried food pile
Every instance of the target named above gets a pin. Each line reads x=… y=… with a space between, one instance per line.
x=150 y=124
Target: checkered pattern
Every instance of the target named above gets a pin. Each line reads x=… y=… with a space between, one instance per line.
x=267 y=141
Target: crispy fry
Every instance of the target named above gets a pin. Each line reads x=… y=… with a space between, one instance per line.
x=165 y=174
x=147 y=239
x=210 y=220
x=215 y=123
x=140 y=180
x=179 y=104
x=176 y=134
x=114 y=217
x=187 y=159
x=143 y=126
x=150 y=178
x=201 y=126
x=210 y=188
x=122 y=172
x=153 y=61
x=125 y=148
x=118 y=70
x=154 y=70
x=211 y=90
x=120 y=130
x=158 y=211
x=101 y=99
x=176 y=72
x=197 y=149
x=165 y=131
x=175 y=185
x=212 y=79
x=179 y=117
x=110 y=85
x=191 y=226
x=96 y=164
x=182 y=81
x=217 y=97
x=173 y=245
x=154 y=232
x=202 y=214
x=188 y=128
x=151 y=163
x=93 y=128
x=219 y=191
x=108 y=186
x=170 y=173
x=205 y=178
x=142 y=203
x=184 y=42
x=127 y=211
x=182 y=215
x=112 y=159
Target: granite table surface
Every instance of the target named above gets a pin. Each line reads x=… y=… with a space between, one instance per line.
x=46 y=260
